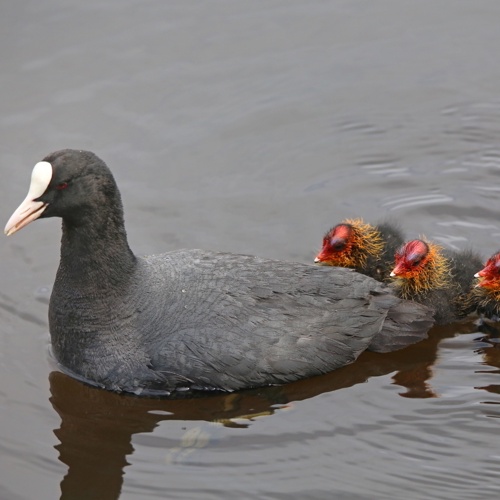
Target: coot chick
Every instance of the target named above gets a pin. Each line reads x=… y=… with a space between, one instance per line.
x=442 y=279
x=367 y=249
x=194 y=319
x=485 y=297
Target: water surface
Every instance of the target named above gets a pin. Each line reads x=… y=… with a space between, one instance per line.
x=253 y=127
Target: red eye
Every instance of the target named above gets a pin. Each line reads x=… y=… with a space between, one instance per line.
x=62 y=185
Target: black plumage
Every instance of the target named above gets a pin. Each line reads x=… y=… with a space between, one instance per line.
x=193 y=319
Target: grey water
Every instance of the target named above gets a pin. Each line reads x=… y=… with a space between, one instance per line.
x=253 y=127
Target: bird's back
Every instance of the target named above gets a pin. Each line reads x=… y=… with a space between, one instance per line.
x=225 y=319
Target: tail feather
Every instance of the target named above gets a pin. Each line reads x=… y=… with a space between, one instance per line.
x=406 y=323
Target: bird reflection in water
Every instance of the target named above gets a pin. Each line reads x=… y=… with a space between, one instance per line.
x=489 y=348
x=97 y=426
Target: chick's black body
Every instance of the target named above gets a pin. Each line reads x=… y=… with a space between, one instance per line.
x=380 y=268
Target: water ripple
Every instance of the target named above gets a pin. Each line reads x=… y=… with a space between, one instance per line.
x=404 y=200
x=387 y=167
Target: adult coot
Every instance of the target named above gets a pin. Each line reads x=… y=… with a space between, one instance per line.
x=194 y=319
x=430 y=275
x=367 y=249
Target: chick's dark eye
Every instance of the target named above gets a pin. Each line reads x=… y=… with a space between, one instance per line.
x=61 y=185
x=338 y=245
x=416 y=262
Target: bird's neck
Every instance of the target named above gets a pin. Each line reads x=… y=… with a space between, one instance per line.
x=367 y=242
x=96 y=255
x=491 y=292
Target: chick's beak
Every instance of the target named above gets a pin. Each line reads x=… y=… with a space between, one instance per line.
x=321 y=258
x=396 y=271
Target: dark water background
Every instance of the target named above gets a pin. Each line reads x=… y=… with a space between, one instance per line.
x=253 y=127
